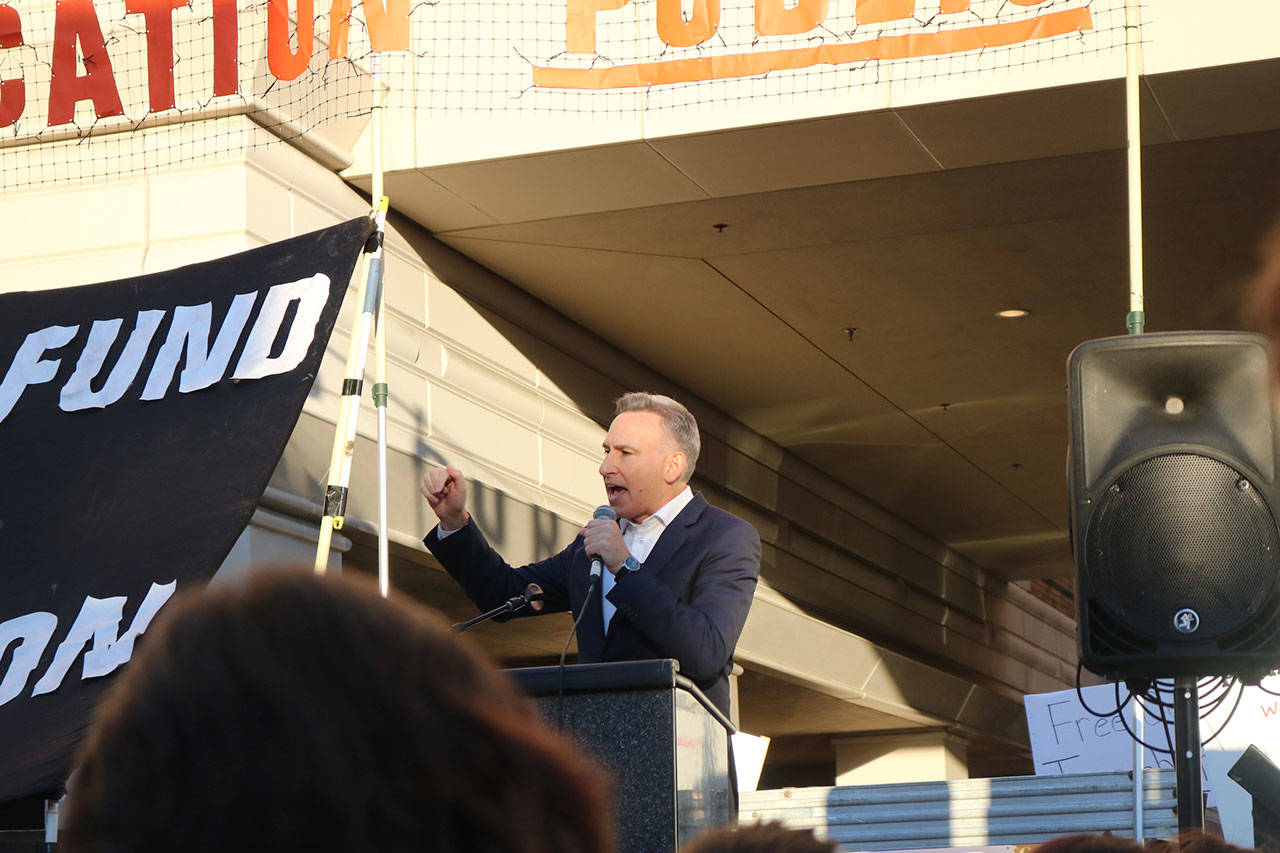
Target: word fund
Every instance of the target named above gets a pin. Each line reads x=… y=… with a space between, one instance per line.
x=205 y=360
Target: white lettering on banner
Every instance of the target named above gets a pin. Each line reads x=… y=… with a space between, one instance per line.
x=30 y=367
x=77 y=394
x=189 y=330
x=310 y=294
x=99 y=620
x=34 y=630
x=187 y=339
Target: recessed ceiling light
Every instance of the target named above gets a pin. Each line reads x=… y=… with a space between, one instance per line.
x=1010 y=313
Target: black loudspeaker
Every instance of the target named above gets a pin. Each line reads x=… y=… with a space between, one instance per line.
x=1172 y=484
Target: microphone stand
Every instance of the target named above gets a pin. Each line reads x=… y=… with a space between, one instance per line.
x=511 y=605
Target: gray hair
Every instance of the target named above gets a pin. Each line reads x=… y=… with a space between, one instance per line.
x=678 y=420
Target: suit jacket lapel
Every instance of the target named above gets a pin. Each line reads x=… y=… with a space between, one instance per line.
x=668 y=545
x=674 y=537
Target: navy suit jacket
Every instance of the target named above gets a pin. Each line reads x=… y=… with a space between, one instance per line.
x=689 y=600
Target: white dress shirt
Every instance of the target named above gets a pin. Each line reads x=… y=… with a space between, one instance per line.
x=640 y=539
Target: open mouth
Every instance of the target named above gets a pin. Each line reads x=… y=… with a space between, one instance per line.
x=615 y=491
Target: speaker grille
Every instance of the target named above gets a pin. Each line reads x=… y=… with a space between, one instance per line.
x=1182 y=531
x=1110 y=637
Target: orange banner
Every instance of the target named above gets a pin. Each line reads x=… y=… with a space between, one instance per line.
x=751 y=64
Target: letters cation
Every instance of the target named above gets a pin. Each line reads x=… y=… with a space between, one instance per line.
x=78 y=41
x=187 y=340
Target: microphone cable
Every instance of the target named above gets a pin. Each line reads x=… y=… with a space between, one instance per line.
x=1217 y=692
x=604 y=511
x=591 y=587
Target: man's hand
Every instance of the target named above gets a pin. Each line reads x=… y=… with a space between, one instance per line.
x=446 y=492
x=603 y=539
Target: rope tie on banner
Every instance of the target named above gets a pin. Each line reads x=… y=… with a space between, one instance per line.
x=369 y=296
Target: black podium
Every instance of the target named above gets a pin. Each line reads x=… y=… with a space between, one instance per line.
x=666 y=744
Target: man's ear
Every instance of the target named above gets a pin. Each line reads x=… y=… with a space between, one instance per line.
x=674 y=469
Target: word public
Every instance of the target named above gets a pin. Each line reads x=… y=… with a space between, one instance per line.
x=78 y=40
x=934 y=29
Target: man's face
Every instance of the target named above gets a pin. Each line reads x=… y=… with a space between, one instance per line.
x=642 y=466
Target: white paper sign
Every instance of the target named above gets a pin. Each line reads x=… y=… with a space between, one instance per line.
x=1067 y=738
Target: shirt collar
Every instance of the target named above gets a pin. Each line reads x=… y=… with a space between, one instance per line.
x=668 y=511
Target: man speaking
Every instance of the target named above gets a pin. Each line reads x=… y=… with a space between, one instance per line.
x=678 y=574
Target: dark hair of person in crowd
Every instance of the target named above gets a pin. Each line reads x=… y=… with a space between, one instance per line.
x=771 y=837
x=1086 y=843
x=291 y=712
x=1191 y=841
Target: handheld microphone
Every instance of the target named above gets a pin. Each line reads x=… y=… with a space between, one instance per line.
x=593 y=581
x=597 y=567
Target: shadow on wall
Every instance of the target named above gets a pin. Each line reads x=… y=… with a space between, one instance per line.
x=560 y=350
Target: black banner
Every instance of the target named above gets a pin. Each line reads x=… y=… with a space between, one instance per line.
x=139 y=423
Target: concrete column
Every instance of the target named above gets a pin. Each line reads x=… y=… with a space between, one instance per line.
x=733 y=695
x=924 y=755
x=276 y=539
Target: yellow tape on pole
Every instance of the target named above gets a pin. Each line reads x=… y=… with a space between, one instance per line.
x=348 y=412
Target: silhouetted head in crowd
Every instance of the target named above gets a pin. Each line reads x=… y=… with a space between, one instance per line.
x=1089 y=844
x=760 y=838
x=1195 y=842
x=297 y=713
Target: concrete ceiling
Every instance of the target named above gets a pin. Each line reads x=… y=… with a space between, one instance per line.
x=735 y=263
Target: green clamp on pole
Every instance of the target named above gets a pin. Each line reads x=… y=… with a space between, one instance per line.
x=1135 y=321
x=380 y=394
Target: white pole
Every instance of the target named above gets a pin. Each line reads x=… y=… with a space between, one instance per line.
x=344 y=432
x=368 y=324
x=376 y=117
x=1139 y=774
x=52 y=812
x=1136 y=319
x=380 y=391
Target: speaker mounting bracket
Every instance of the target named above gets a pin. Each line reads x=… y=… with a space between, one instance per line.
x=1186 y=761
